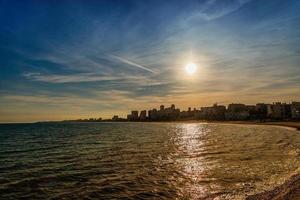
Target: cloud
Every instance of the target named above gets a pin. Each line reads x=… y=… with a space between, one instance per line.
x=102 y=98
x=242 y=49
x=85 y=68
x=214 y=9
x=131 y=63
x=80 y=77
x=112 y=100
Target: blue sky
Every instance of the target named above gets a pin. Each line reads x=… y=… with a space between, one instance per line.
x=75 y=59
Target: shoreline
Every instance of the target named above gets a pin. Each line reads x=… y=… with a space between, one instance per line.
x=293 y=125
x=288 y=124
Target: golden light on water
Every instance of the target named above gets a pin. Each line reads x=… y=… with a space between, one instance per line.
x=190 y=68
x=190 y=143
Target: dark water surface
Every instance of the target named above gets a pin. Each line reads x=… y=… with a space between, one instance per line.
x=144 y=160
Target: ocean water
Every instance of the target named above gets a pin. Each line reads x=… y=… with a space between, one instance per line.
x=145 y=160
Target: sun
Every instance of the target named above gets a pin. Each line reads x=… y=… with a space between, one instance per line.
x=190 y=68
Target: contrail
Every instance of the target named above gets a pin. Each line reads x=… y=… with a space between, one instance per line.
x=132 y=63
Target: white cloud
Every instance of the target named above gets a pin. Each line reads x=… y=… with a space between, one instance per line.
x=131 y=63
x=80 y=77
x=214 y=9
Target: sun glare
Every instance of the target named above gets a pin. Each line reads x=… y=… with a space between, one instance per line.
x=190 y=68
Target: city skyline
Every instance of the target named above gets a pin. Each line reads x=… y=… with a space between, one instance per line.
x=76 y=59
x=231 y=112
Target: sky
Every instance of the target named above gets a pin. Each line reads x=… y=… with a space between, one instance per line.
x=79 y=59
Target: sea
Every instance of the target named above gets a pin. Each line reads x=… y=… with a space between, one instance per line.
x=148 y=161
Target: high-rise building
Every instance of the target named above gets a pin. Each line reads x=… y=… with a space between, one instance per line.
x=295 y=110
x=162 y=107
x=279 y=110
x=143 y=115
x=129 y=117
x=134 y=115
x=152 y=114
x=237 y=111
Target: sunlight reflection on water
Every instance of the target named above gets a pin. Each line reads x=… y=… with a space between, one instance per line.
x=190 y=143
x=144 y=160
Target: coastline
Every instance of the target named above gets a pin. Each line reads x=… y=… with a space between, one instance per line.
x=293 y=125
x=288 y=124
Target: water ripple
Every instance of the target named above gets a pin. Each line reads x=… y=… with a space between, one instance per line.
x=146 y=161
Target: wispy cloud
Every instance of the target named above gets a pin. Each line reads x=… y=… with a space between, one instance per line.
x=131 y=63
x=86 y=69
x=213 y=9
x=79 y=77
x=245 y=51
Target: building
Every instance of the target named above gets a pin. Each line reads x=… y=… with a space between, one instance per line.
x=162 y=107
x=189 y=114
x=237 y=111
x=295 y=110
x=129 y=117
x=115 y=118
x=164 y=114
x=167 y=114
x=287 y=111
x=152 y=115
x=215 y=112
x=134 y=115
x=234 y=111
x=260 y=112
x=279 y=111
x=143 y=115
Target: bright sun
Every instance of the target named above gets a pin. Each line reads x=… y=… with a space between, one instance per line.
x=190 y=68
